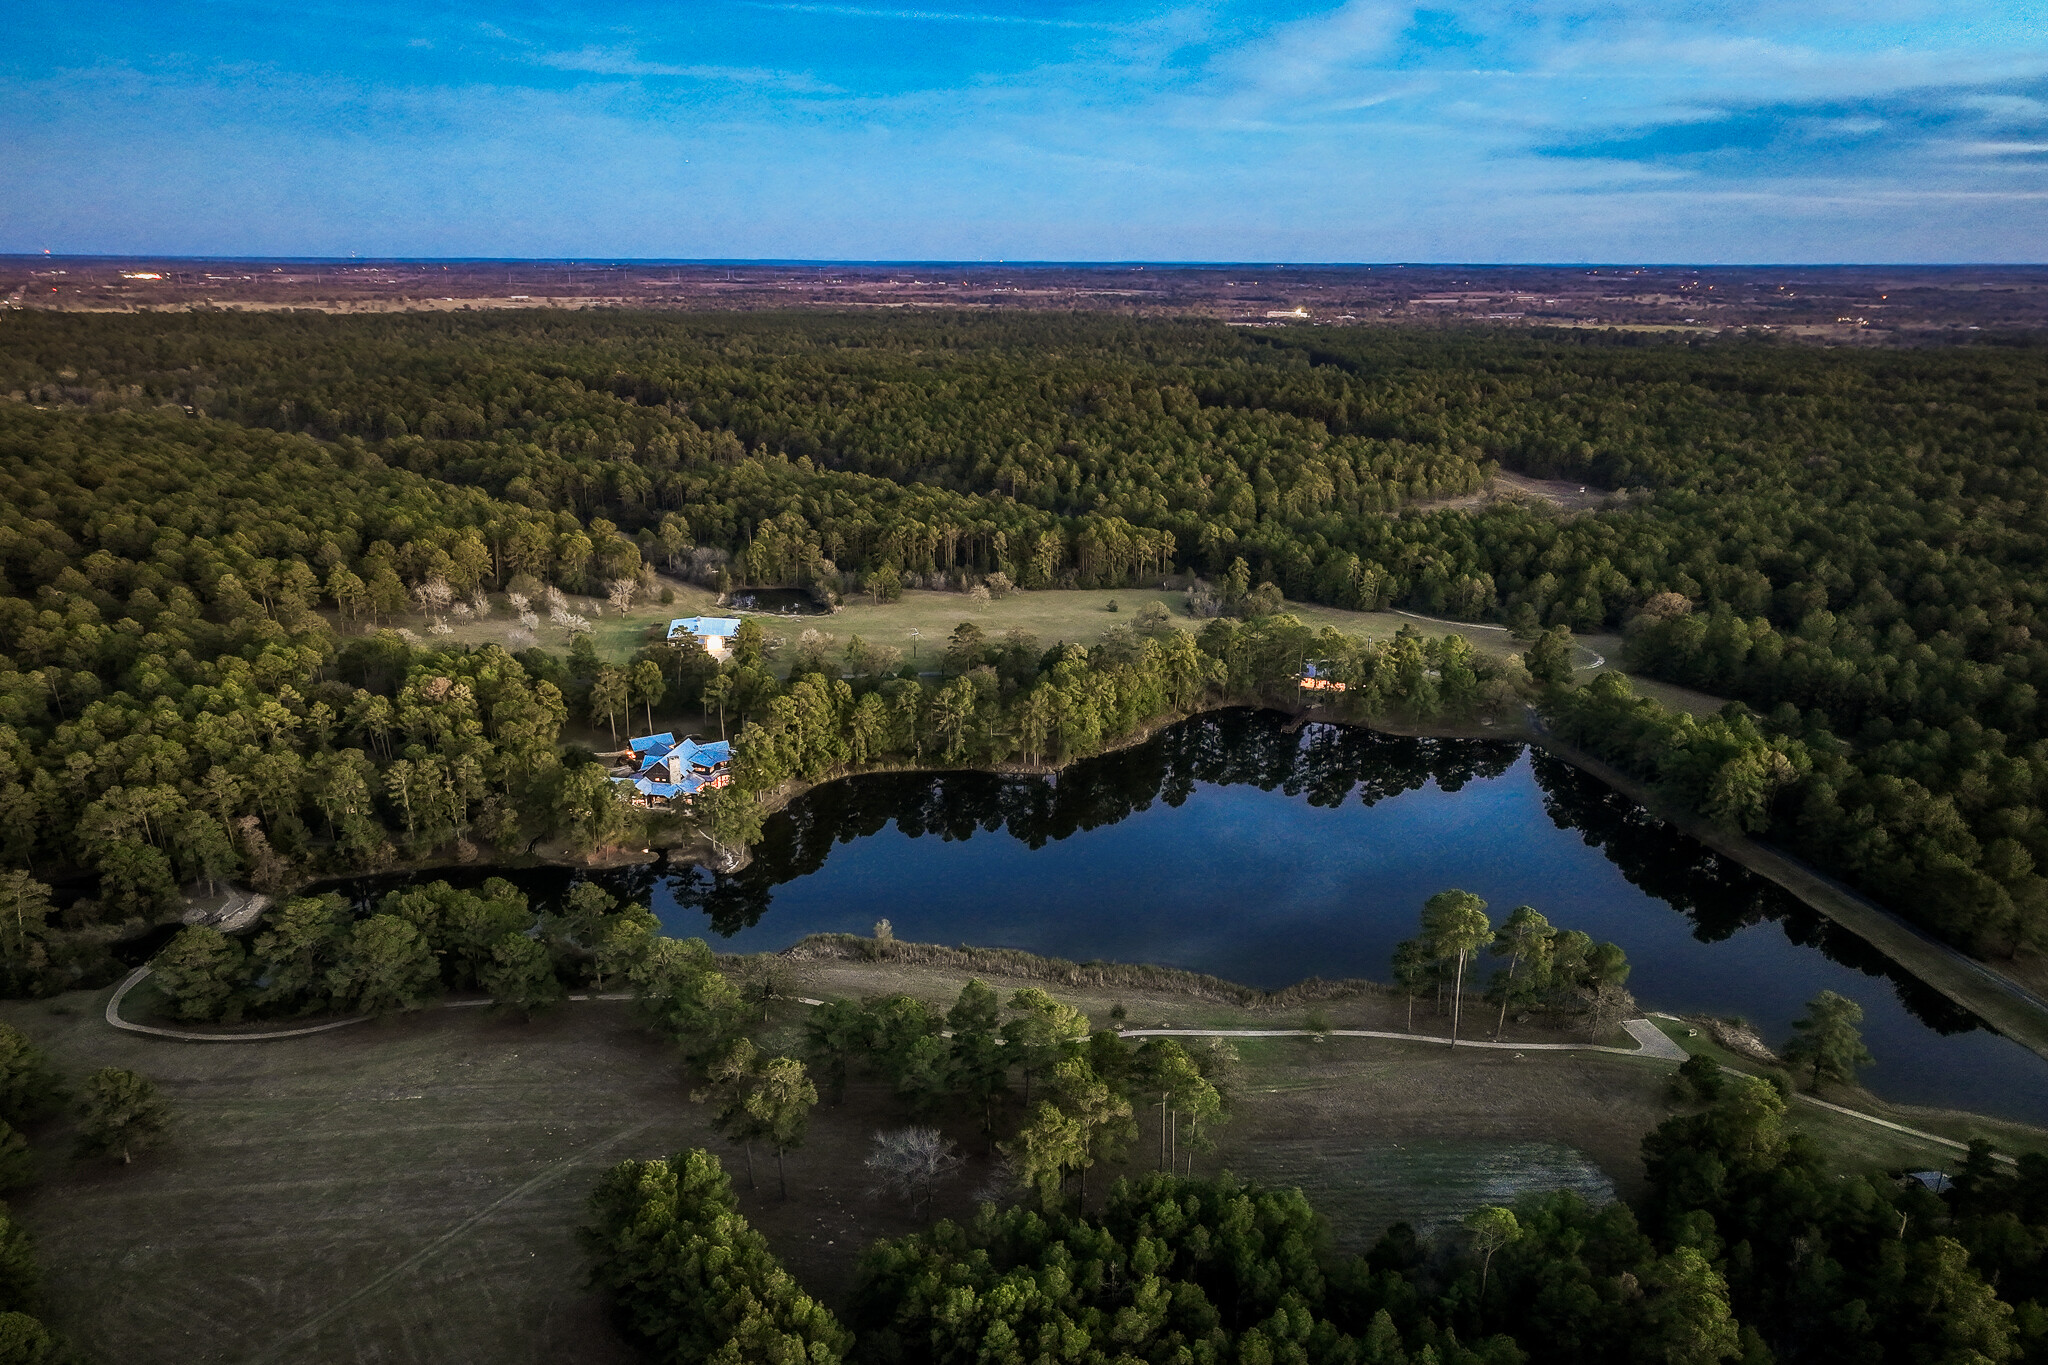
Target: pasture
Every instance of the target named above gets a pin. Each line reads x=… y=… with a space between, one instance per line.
x=409 y=1191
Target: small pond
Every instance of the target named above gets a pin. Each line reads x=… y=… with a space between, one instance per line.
x=1228 y=845
x=775 y=602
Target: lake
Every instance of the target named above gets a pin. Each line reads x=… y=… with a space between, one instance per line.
x=1229 y=846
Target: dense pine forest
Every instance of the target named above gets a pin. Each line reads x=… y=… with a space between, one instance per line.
x=204 y=519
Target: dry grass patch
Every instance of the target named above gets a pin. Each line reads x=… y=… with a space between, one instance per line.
x=409 y=1191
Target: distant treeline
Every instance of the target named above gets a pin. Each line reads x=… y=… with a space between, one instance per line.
x=177 y=704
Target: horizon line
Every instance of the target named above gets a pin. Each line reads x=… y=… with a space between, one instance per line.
x=762 y=262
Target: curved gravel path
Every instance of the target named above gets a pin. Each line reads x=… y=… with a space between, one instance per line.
x=1652 y=1039
x=135 y=977
x=1653 y=1042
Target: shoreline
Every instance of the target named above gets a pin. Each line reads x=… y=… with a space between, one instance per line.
x=2007 y=1006
x=789 y=791
x=1264 y=1011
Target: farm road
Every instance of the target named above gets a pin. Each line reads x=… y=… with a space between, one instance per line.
x=554 y=1171
x=1654 y=1043
x=1652 y=1040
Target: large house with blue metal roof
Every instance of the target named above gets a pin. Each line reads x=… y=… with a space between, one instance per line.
x=665 y=771
x=713 y=632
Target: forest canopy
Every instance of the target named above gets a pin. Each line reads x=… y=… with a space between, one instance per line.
x=1847 y=543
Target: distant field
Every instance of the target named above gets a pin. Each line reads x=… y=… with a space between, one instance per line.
x=317 y=1191
x=616 y=635
x=921 y=621
x=1079 y=617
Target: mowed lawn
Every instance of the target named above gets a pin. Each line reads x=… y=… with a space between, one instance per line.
x=1079 y=616
x=408 y=1191
x=395 y=1192
x=921 y=621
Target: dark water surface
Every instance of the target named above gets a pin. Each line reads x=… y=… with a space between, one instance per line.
x=1227 y=846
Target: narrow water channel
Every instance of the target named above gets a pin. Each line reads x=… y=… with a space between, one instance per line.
x=1226 y=845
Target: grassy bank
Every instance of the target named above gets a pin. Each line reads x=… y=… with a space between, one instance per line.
x=1972 y=984
x=316 y=1190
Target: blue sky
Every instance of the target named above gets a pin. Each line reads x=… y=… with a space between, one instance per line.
x=1557 y=130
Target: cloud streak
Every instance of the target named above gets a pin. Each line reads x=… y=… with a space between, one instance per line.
x=598 y=61
x=1243 y=129
x=929 y=16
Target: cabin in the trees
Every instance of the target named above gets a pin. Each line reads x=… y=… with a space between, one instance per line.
x=665 y=772
x=1315 y=678
x=713 y=632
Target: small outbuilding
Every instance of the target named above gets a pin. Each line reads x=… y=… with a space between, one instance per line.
x=1315 y=678
x=713 y=632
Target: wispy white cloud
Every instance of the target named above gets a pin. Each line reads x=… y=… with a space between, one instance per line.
x=1332 y=129
x=613 y=61
x=1313 y=55
x=2003 y=148
x=930 y=16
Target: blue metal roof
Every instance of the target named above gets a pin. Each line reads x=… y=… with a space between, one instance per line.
x=689 y=751
x=703 y=625
x=664 y=742
x=647 y=788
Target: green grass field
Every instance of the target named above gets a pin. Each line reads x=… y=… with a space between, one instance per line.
x=920 y=622
x=408 y=1191
x=1858 y=1143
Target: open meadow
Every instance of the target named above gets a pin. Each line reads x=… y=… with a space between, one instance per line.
x=919 y=623
x=409 y=1190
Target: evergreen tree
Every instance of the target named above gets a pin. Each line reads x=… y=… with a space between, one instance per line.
x=979 y=1065
x=119 y=1112
x=29 y=1086
x=201 y=973
x=691 y=1278
x=1825 y=1042
x=1454 y=925
x=1044 y=1033
x=383 y=966
x=521 y=975
x=837 y=1033
x=780 y=1101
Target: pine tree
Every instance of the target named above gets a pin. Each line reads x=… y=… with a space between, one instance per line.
x=120 y=1112
x=691 y=1278
x=1825 y=1041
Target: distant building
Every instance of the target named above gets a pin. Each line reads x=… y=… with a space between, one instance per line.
x=665 y=772
x=713 y=632
x=1313 y=679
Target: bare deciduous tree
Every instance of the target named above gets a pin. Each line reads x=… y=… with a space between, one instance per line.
x=909 y=1164
x=434 y=594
